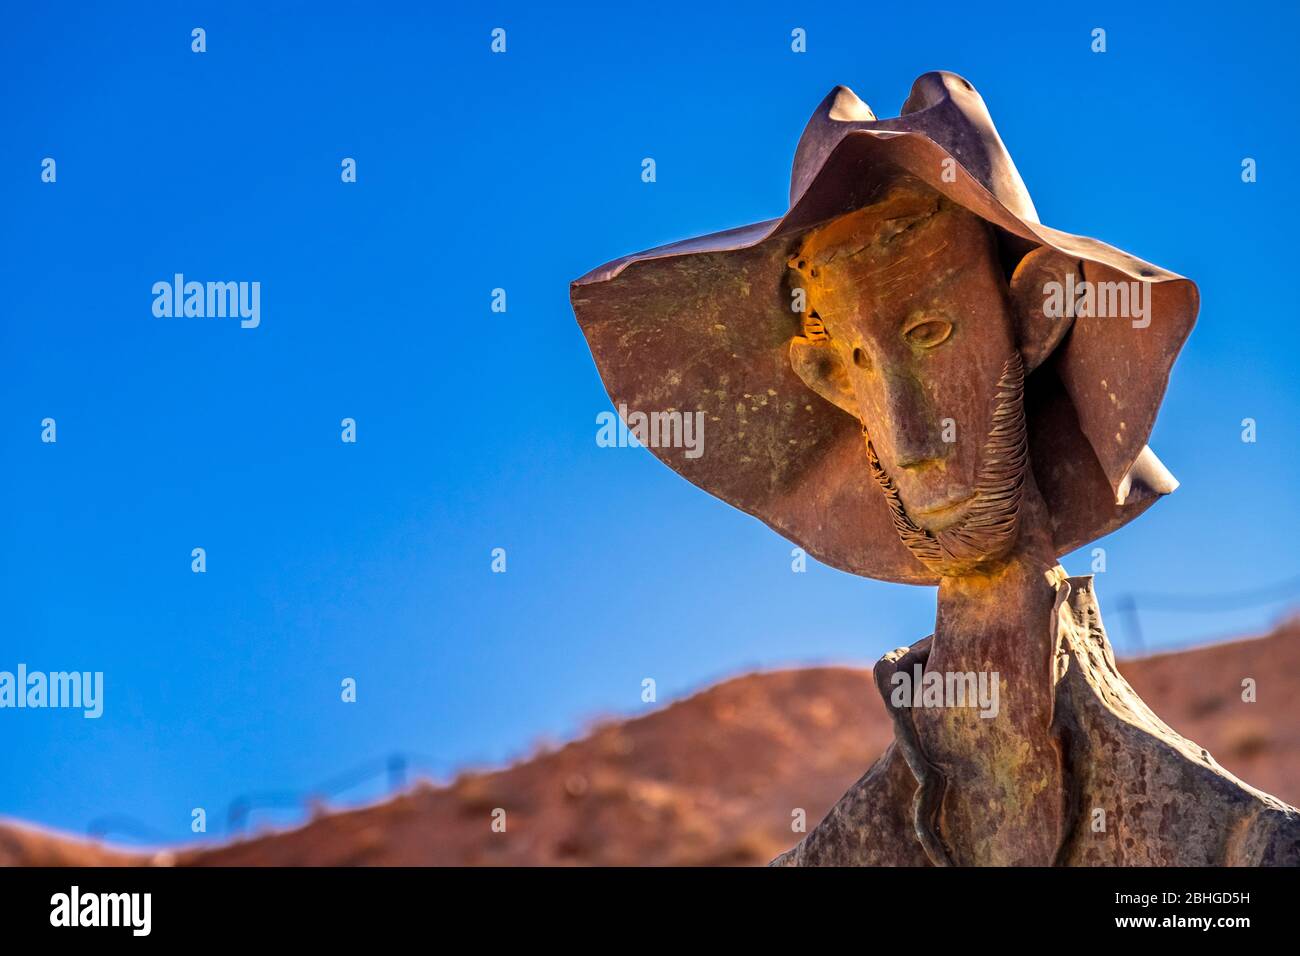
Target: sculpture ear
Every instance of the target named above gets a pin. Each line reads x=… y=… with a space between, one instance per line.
x=818 y=363
x=1041 y=289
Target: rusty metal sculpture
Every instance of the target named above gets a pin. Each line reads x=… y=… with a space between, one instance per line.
x=913 y=379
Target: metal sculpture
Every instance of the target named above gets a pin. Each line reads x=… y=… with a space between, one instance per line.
x=912 y=378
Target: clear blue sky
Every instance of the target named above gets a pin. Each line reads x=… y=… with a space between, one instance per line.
x=477 y=430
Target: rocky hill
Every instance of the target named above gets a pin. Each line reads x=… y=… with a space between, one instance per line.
x=717 y=778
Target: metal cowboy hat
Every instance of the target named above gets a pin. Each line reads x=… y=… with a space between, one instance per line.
x=706 y=324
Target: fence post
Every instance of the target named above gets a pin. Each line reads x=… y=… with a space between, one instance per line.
x=1126 y=604
x=396 y=772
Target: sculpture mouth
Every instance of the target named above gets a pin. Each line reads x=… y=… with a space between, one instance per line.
x=941 y=515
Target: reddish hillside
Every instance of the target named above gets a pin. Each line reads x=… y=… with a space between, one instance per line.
x=715 y=778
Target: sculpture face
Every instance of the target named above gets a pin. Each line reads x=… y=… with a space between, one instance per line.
x=908 y=328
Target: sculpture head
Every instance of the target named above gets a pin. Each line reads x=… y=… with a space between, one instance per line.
x=908 y=326
x=880 y=379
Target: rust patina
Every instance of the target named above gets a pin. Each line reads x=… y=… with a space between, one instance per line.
x=912 y=378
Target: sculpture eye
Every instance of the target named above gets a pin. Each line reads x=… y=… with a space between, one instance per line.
x=928 y=332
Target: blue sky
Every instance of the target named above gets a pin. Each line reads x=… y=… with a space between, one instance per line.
x=476 y=429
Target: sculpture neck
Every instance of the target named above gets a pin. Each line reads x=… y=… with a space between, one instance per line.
x=1001 y=619
x=1003 y=803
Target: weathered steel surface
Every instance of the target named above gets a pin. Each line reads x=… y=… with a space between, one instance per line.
x=706 y=324
x=885 y=381
x=1137 y=793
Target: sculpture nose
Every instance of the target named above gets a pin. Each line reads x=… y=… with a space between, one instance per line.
x=917 y=434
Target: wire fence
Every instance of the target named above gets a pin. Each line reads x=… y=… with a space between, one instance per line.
x=395 y=767
x=1133 y=604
